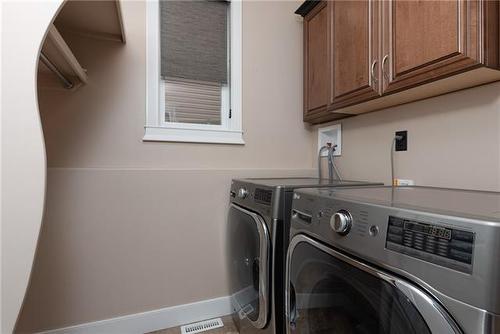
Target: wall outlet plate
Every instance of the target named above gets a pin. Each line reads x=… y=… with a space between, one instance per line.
x=402 y=144
x=330 y=134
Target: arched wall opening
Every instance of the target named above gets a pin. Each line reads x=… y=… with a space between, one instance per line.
x=24 y=25
x=35 y=57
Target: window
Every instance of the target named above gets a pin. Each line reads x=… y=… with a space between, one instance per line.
x=193 y=71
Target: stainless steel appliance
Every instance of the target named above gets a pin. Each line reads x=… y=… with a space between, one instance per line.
x=394 y=260
x=258 y=231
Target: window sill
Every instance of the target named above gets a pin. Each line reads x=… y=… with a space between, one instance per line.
x=193 y=135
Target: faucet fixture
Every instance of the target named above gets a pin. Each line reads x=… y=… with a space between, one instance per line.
x=331 y=166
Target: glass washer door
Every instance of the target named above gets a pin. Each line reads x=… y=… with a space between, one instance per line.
x=328 y=292
x=248 y=254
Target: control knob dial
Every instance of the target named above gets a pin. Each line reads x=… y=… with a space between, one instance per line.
x=242 y=193
x=341 y=222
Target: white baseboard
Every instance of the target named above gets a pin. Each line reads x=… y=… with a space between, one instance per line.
x=145 y=322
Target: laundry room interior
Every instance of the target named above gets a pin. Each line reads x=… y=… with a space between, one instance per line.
x=251 y=167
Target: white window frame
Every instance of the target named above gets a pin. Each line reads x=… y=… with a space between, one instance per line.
x=156 y=129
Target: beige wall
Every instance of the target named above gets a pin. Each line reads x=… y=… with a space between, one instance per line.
x=132 y=226
x=453 y=141
x=102 y=124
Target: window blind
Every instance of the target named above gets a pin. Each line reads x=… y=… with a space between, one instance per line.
x=192 y=102
x=194 y=40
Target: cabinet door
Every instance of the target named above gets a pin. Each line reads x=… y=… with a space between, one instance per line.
x=427 y=40
x=355 y=69
x=316 y=62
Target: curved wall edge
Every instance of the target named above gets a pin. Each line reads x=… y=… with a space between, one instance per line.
x=24 y=25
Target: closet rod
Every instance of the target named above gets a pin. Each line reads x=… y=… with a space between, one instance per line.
x=67 y=83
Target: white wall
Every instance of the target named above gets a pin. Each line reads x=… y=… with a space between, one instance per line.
x=132 y=226
x=23 y=25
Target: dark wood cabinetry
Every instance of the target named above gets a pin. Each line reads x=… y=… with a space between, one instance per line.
x=429 y=40
x=316 y=62
x=354 y=52
x=372 y=54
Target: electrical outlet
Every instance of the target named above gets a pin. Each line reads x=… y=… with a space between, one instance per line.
x=402 y=143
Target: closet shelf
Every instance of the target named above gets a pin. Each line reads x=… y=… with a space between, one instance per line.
x=58 y=66
x=57 y=62
x=95 y=19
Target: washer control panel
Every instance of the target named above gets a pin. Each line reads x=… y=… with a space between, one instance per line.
x=441 y=245
x=263 y=196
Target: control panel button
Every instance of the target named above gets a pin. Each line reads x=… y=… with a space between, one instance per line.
x=462 y=235
x=242 y=193
x=341 y=222
x=461 y=245
x=394 y=221
x=430 y=248
x=460 y=256
x=398 y=239
x=373 y=230
x=396 y=230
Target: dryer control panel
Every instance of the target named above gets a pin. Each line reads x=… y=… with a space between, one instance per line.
x=441 y=245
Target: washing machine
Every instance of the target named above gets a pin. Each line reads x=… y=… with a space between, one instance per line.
x=257 y=238
x=413 y=260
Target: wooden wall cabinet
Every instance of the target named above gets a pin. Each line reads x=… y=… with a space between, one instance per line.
x=316 y=43
x=429 y=40
x=354 y=52
x=381 y=53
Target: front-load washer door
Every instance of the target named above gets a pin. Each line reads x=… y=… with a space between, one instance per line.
x=248 y=250
x=329 y=292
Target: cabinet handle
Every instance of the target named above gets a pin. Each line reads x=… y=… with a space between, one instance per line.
x=384 y=61
x=372 y=72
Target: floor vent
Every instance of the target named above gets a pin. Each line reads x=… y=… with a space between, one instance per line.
x=202 y=326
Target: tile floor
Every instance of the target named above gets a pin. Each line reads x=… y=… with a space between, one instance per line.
x=229 y=328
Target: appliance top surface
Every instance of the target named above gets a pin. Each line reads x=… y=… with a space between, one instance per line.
x=301 y=182
x=473 y=204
